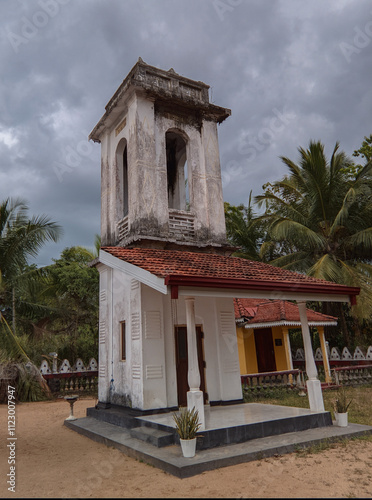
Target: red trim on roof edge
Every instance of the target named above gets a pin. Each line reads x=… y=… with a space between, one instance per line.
x=353 y=300
x=333 y=289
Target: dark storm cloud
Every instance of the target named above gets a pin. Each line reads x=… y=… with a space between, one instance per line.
x=289 y=70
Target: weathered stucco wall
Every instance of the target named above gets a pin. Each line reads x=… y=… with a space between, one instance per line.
x=143 y=129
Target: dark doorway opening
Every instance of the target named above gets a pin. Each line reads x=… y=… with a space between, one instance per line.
x=182 y=363
x=265 y=350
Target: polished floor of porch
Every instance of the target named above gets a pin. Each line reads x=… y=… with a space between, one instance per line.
x=221 y=417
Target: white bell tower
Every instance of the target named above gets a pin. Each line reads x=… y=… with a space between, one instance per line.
x=161 y=176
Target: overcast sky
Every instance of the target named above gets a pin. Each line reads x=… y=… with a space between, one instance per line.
x=289 y=70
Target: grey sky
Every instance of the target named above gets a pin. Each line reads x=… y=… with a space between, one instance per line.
x=290 y=70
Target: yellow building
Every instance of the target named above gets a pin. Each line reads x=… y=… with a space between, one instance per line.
x=262 y=327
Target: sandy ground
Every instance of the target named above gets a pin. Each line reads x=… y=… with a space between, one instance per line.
x=53 y=461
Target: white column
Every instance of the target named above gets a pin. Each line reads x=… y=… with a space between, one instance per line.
x=195 y=397
x=314 y=389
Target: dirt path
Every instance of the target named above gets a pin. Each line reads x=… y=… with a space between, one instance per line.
x=53 y=461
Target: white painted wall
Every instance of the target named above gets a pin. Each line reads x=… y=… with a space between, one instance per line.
x=147 y=379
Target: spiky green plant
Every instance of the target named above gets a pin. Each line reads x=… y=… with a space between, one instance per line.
x=187 y=423
x=342 y=403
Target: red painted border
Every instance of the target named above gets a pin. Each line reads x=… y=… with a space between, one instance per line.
x=244 y=284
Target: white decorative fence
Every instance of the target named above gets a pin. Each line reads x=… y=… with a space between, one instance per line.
x=346 y=368
x=336 y=356
x=66 y=379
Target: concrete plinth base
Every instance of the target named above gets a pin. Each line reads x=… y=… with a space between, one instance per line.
x=314 y=391
x=233 y=435
x=196 y=399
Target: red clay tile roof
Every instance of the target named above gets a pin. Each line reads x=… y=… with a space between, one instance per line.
x=202 y=269
x=261 y=311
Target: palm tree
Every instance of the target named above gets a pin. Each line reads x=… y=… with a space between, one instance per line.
x=244 y=230
x=320 y=220
x=21 y=237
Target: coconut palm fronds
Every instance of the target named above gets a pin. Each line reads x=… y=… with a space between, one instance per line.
x=18 y=371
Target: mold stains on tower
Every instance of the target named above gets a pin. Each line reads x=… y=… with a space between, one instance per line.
x=161 y=178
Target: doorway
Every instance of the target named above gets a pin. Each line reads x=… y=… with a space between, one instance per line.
x=265 y=353
x=182 y=363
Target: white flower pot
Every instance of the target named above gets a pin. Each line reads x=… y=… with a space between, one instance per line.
x=188 y=447
x=341 y=419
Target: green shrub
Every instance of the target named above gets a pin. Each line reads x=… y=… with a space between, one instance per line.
x=187 y=423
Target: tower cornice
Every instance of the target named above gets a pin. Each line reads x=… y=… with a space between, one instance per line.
x=166 y=88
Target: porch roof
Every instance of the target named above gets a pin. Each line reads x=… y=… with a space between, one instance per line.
x=182 y=269
x=261 y=313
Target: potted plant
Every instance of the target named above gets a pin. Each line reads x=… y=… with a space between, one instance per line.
x=341 y=405
x=187 y=425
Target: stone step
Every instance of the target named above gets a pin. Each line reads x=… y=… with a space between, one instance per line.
x=155 y=437
x=114 y=416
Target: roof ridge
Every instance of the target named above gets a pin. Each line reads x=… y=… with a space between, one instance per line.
x=282 y=309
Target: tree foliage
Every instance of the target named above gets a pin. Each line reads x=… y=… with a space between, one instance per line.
x=244 y=230
x=317 y=220
x=67 y=321
x=365 y=150
x=21 y=237
x=325 y=215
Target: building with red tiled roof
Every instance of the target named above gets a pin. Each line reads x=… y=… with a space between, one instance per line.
x=167 y=334
x=262 y=313
x=263 y=328
x=181 y=268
